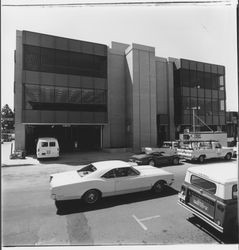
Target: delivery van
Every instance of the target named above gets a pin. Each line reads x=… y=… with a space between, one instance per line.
x=47 y=147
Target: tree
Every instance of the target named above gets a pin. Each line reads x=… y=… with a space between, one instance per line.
x=7 y=119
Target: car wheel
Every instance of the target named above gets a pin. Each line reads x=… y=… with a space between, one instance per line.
x=175 y=161
x=91 y=196
x=228 y=156
x=152 y=163
x=159 y=187
x=201 y=158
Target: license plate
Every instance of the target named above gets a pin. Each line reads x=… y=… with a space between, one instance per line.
x=48 y=152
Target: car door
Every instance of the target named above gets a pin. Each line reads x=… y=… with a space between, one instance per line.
x=160 y=158
x=129 y=180
x=108 y=185
x=218 y=149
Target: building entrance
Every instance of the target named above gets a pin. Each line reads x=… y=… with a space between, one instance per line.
x=71 y=138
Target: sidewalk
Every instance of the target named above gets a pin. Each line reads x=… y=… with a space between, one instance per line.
x=75 y=158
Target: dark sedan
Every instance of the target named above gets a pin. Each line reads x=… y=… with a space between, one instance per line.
x=155 y=159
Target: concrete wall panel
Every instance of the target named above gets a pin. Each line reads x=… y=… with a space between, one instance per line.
x=87 y=82
x=61 y=43
x=61 y=80
x=32 y=38
x=48 y=41
x=161 y=86
x=31 y=77
x=47 y=116
x=100 y=83
x=61 y=116
x=32 y=116
x=116 y=98
x=100 y=117
x=100 y=50
x=74 y=45
x=74 y=117
x=74 y=81
x=87 y=47
x=87 y=117
x=47 y=78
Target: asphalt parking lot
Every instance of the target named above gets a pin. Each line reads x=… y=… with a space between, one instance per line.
x=31 y=217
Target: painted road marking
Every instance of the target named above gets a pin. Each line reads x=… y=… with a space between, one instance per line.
x=143 y=219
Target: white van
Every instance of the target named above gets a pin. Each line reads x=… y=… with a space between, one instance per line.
x=47 y=148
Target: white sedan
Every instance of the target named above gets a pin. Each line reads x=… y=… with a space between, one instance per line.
x=107 y=178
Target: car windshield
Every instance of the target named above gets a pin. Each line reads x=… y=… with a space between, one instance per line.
x=167 y=145
x=86 y=170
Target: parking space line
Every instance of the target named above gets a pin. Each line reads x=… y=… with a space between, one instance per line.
x=140 y=223
x=143 y=219
x=149 y=218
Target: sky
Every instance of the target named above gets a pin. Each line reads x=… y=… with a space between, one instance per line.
x=204 y=33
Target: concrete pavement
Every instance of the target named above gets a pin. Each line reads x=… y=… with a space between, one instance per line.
x=66 y=158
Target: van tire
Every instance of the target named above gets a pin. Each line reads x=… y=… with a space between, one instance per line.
x=201 y=158
x=228 y=156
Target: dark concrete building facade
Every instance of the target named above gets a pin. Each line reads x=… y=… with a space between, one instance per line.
x=91 y=96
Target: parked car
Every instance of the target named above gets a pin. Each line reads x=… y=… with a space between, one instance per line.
x=168 y=147
x=47 y=148
x=235 y=151
x=107 y=178
x=155 y=159
x=202 y=150
x=210 y=193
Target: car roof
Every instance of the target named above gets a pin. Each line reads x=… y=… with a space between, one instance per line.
x=217 y=173
x=46 y=138
x=105 y=165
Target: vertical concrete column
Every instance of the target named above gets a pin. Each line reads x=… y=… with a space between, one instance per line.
x=171 y=101
x=18 y=89
x=143 y=80
x=20 y=136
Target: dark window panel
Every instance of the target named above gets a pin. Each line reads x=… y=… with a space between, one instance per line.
x=184 y=64
x=64 y=62
x=221 y=70
x=32 y=58
x=207 y=68
x=47 y=93
x=193 y=65
x=61 y=95
x=214 y=69
x=74 y=95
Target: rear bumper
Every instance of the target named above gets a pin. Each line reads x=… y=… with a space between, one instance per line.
x=201 y=216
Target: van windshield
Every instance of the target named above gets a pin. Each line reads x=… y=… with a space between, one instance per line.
x=86 y=170
x=204 y=184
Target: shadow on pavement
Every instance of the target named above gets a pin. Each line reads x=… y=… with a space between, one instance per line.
x=216 y=235
x=214 y=160
x=78 y=206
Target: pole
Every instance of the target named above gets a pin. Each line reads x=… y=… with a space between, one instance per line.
x=193 y=120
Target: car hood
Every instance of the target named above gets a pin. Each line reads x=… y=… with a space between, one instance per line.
x=150 y=170
x=65 y=178
x=140 y=156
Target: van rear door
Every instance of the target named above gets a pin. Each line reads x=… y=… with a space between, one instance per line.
x=201 y=195
x=54 y=148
